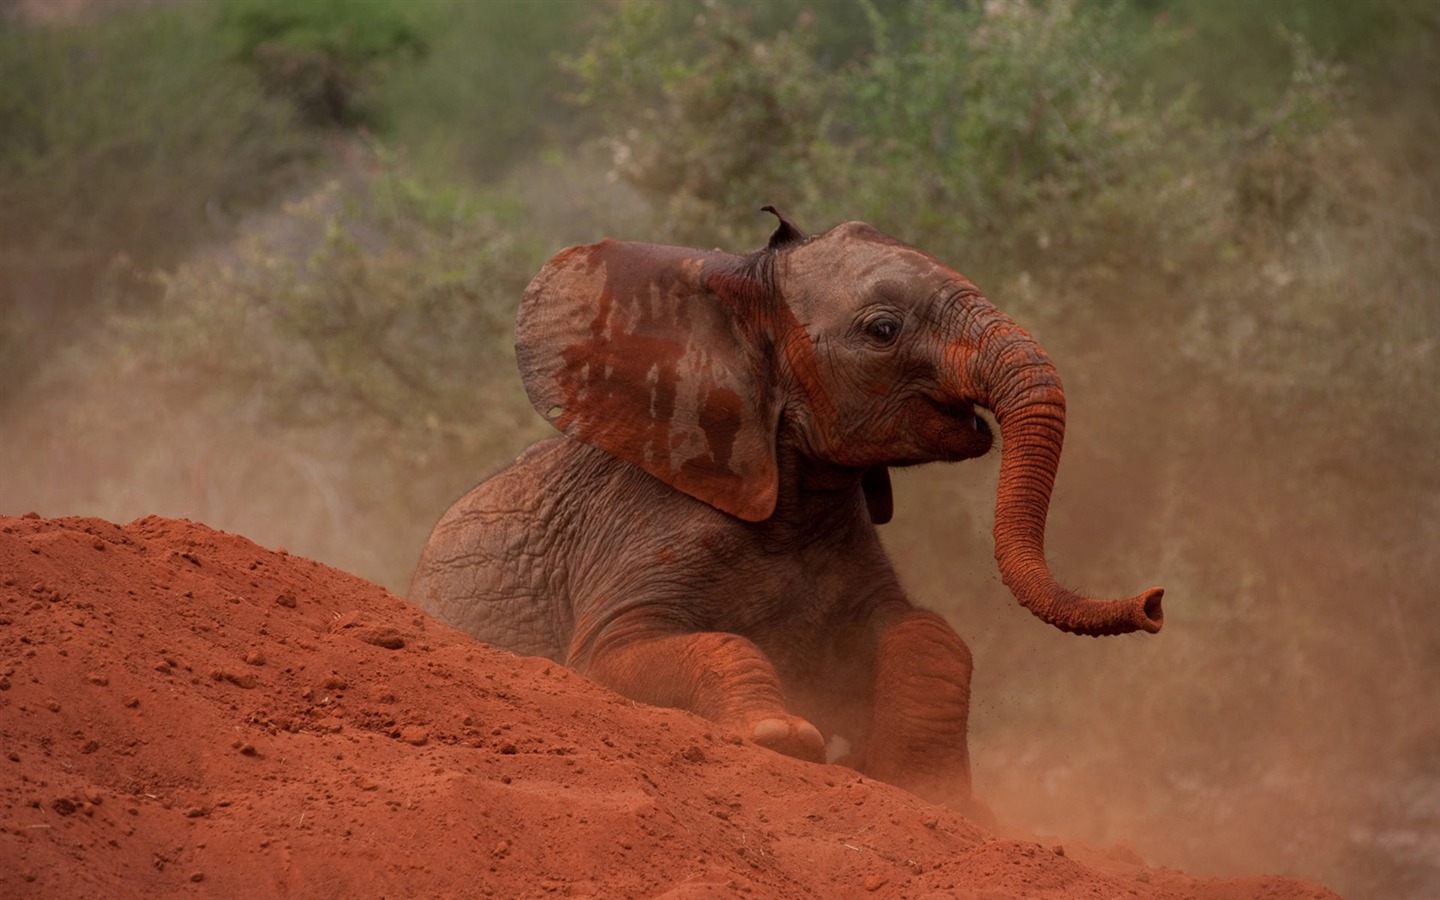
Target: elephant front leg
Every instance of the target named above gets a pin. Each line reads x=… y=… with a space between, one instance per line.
x=722 y=677
x=922 y=706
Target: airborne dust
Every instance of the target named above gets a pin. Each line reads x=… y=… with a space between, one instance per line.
x=1267 y=454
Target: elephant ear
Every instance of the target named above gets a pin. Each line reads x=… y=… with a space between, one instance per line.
x=658 y=356
x=786 y=234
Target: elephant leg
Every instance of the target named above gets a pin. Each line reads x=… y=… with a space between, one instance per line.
x=722 y=677
x=922 y=705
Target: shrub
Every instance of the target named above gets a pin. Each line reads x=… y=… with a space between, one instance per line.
x=707 y=120
x=325 y=56
x=132 y=136
x=366 y=329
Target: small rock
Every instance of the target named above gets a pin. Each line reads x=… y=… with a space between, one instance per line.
x=255 y=658
x=197 y=877
x=64 y=806
x=286 y=600
x=241 y=680
x=97 y=678
x=381 y=636
x=194 y=812
x=875 y=882
x=414 y=734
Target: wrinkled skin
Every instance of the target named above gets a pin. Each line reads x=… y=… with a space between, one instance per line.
x=704 y=534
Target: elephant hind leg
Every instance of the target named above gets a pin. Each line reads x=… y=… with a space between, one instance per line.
x=922 y=705
x=722 y=677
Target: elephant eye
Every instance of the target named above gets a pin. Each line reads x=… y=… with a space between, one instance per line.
x=882 y=329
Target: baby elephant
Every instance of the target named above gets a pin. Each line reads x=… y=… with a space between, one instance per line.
x=703 y=534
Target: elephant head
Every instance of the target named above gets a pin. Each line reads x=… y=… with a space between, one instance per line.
x=852 y=349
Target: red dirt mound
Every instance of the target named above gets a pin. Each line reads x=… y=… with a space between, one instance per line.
x=183 y=712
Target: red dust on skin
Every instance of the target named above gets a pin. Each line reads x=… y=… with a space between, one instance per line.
x=135 y=766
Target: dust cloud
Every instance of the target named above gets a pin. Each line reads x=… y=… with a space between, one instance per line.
x=1282 y=722
x=1284 y=719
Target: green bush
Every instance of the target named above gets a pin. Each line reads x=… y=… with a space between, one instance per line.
x=1007 y=130
x=325 y=56
x=710 y=122
x=131 y=138
x=384 y=305
x=487 y=92
x=361 y=337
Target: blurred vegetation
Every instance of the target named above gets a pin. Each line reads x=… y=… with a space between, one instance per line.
x=326 y=57
x=261 y=259
x=134 y=138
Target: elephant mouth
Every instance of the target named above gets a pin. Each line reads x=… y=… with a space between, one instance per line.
x=956 y=430
x=964 y=416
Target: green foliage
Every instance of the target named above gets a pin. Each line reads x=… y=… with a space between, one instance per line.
x=1017 y=122
x=705 y=120
x=391 y=310
x=1236 y=57
x=131 y=138
x=106 y=134
x=998 y=129
x=487 y=91
x=326 y=56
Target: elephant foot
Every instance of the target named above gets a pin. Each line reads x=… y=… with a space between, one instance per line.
x=790 y=735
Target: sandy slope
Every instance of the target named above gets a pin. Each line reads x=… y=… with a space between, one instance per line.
x=183 y=712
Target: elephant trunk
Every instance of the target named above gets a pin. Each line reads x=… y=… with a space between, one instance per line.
x=1013 y=377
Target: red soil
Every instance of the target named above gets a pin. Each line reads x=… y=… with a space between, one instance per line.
x=183 y=712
